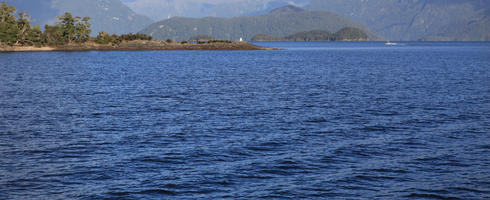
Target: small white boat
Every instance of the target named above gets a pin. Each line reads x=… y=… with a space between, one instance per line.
x=388 y=43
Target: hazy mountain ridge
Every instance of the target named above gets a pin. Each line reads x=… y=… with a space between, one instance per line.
x=280 y=22
x=164 y=9
x=107 y=15
x=461 y=20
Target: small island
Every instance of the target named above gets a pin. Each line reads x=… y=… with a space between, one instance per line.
x=73 y=34
x=344 y=34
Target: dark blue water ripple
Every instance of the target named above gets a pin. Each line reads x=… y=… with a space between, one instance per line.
x=314 y=121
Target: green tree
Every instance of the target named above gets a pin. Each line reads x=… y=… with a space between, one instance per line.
x=6 y=13
x=82 y=30
x=69 y=29
x=53 y=35
x=67 y=25
x=23 y=28
x=34 y=36
x=75 y=29
x=103 y=38
x=116 y=39
x=8 y=24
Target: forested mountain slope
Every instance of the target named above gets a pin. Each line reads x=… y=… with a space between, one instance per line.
x=280 y=22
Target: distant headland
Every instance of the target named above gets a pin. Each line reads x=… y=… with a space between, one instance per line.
x=344 y=34
x=72 y=33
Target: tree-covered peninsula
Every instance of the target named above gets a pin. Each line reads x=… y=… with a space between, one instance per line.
x=344 y=34
x=72 y=33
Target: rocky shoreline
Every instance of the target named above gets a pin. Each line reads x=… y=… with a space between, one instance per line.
x=138 y=45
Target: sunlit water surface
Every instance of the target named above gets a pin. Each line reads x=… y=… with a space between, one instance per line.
x=314 y=120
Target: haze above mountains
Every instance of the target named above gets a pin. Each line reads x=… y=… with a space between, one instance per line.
x=164 y=9
x=460 y=20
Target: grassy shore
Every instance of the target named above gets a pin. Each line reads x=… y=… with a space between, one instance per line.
x=138 y=45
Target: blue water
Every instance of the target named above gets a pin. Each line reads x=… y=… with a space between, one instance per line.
x=311 y=121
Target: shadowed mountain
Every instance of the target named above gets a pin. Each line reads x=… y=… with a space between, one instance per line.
x=461 y=20
x=280 y=22
x=106 y=15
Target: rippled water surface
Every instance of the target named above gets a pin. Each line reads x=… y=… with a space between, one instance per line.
x=312 y=121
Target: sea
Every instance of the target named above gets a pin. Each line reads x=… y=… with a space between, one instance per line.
x=319 y=120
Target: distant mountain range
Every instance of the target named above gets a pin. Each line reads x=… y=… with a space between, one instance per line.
x=435 y=20
x=461 y=20
x=280 y=22
x=439 y=20
x=107 y=15
x=164 y=9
